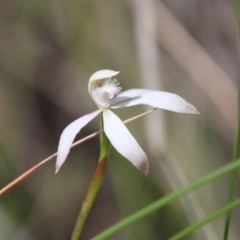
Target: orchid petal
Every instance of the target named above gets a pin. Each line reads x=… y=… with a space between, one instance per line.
x=164 y=100
x=129 y=94
x=68 y=135
x=101 y=98
x=123 y=141
x=103 y=74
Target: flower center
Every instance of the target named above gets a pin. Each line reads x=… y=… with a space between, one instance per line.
x=108 y=85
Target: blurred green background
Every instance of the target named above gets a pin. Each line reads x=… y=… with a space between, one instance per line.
x=48 y=51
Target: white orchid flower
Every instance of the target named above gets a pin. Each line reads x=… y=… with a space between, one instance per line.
x=106 y=93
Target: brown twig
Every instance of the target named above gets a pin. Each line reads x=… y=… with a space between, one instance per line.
x=31 y=170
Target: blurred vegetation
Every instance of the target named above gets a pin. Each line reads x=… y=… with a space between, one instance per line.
x=48 y=51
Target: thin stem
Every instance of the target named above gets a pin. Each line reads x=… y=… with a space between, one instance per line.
x=95 y=184
x=37 y=166
x=26 y=174
x=105 y=143
x=236 y=153
x=89 y=199
x=155 y=206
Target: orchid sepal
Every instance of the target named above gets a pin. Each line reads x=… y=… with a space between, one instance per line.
x=159 y=99
x=68 y=135
x=123 y=141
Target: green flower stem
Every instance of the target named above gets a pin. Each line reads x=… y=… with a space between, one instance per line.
x=236 y=153
x=206 y=220
x=166 y=200
x=94 y=186
x=105 y=144
x=90 y=197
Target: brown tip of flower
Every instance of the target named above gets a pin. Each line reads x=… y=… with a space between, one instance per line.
x=144 y=167
x=192 y=109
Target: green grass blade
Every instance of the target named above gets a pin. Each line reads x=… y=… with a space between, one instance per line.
x=236 y=153
x=166 y=200
x=206 y=220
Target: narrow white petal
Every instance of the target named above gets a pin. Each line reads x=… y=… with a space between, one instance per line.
x=127 y=95
x=164 y=100
x=105 y=73
x=68 y=135
x=123 y=141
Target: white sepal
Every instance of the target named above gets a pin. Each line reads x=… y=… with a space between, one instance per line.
x=123 y=141
x=164 y=100
x=128 y=95
x=68 y=135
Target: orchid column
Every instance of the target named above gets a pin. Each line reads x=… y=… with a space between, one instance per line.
x=106 y=93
